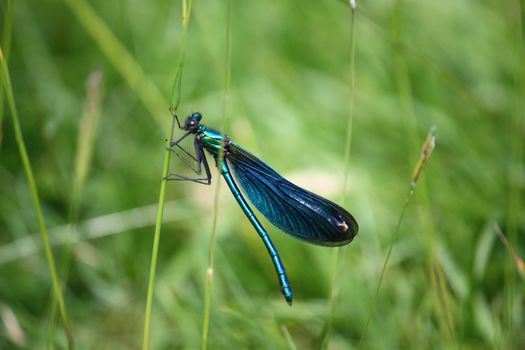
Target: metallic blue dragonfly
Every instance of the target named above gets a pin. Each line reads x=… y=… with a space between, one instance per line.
x=296 y=211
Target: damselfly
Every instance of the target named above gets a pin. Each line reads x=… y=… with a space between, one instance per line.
x=294 y=210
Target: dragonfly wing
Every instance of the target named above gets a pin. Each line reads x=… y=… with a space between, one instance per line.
x=291 y=208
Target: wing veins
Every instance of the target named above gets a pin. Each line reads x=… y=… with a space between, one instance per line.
x=320 y=227
x=272 y=202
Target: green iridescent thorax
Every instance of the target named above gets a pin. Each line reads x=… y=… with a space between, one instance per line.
x=212 y=140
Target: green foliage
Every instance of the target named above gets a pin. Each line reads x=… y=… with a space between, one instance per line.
x=450 y=282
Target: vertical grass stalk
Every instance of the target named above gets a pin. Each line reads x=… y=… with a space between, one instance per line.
x=514 y=179
x=155 y=249
x=86 y=140
x=84 y=151
x=186 y=11
x=213 y=237
x=440 y=292
x=176 y=91
x=426 y=151
x=6 y=45
x=57 y=291
x=518 y=261
x=339 y=251
x=289 y=339
x=119 y=56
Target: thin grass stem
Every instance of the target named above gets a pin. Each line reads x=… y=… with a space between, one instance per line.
x=85 y=144
x=289 y=339
x=213 y=236
x=431 y=65
x=94 y=228
x=514 y=179
x=176 y=91
x=8 y=29
x=86 y=140
x=167 y=155
x=441 y=293
x=57 y=291
x=155 y=249
x=339 y=252
x=120 y=57
x=6 y=45
x=518 y=261
x=426 y=151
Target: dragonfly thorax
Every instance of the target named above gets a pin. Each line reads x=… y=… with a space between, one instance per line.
x=213 y=141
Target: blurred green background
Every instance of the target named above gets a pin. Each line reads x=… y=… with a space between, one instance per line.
x=450 y=283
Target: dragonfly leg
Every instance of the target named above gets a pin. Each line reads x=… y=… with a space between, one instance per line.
x=187 y=162
x=175 y=177
x=174 y=143
x=199 y=154
x=200 y=159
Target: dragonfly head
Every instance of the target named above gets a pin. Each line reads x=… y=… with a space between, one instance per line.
x=192 y=122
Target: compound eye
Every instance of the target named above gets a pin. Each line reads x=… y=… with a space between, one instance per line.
x=197 y=116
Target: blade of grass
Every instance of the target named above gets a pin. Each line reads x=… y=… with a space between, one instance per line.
x=177 y=82
x=94 y=228
x=426 y=151
x=515 y=176
x=186 y=12
x=289 y=338
x=337 y=271
x=431 y=65
x=155 y=250
x=6 y=45
x=440 y=291
x=52 y=93
x=120 y=57
x=8 y=29
x=57 y=291
x=520 y=265
x=85 y=143
x=211 y=251
x=86 y=140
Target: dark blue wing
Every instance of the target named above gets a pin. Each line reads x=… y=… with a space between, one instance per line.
x=294 y=210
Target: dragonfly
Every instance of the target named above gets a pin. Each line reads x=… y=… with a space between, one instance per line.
x=294 y=210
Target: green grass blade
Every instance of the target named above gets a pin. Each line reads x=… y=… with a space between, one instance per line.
x=213 y=237
x=6 y=45
x=155 y=249
x=434 y=67
x=516 y=173
x=176 y=91
x=8 y=29
x=86 y=139
x=426 y=151
x=93 y=229
x=6 y=82
x=289 y=338
x=122 y=60
x=518 y=261
x=85 y=144
x=337 y=271
x=156 y=238
x=440 y=292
